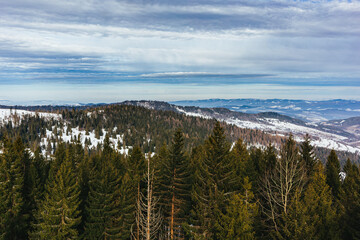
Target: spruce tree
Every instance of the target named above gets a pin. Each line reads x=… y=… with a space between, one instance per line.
x=350 y=199
x=313 y=216
x=14 y=210
x=269 y=158
x=213 y=184
x=175 y=186
x=103 y=208
x=39 y=173
x=239 y=160
x=59 y=215
x=127 y=206
x=238 y=221
x=104 y=219
x=332 y=173
x=136 y=167
x=255 y=167
x=308 y=156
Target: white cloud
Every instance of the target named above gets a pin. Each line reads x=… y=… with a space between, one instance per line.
x=289 y=39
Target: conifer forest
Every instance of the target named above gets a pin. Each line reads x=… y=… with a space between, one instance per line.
x=181 y=188
x=180 y=120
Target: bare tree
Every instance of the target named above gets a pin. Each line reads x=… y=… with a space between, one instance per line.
x=148 y=216
x=282 y=183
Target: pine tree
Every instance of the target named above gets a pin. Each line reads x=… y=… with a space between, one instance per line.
x=39 y=173
x=136 y=169
x=270 y=158
x=213 y=184
x=175 y=186
x=332 y=173
x=350 y=199
x=308 y=156
x=239 y=160
x=238 y=221
x=103 y=208
x=127 y=206
x=197 y=214
x=14 y=210
x=59 y=215
x=104 y=218
x=255 y=167
x=313 y=216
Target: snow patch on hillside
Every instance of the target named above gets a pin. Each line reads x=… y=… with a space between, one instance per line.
x=14 y=115
x=320 y=138
x=272 y=125
x=192 y=114
x=81 y=136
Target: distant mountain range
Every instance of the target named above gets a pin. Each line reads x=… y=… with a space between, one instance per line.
x=333 y=124
x=311 y=111
x=342 y=135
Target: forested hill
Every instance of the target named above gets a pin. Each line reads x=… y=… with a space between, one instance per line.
x=127 y=126
x=215 y=191
x=134 y=126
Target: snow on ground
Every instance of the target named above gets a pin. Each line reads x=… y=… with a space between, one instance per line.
x=192 y=114
x=80 y=135
x=271 y=125
x=11 y=114
x=342 y=176
x=319 y=138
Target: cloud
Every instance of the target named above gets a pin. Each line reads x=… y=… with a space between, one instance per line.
x=219 y=42
x=201 y=75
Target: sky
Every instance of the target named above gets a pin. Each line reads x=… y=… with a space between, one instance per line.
x=69 y=51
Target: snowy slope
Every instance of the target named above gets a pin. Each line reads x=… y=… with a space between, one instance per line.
x=81 y=136
x=313 y=111
x=319 y=138
x=74 y=134
x=322 y=135
x=11 y=114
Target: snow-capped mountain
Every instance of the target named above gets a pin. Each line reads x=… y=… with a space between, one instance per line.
x=312 y=111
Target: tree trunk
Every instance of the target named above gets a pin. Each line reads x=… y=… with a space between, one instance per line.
x=172 y=217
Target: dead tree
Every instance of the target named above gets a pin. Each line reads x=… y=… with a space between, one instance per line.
x=148 y=215
x=282 y=183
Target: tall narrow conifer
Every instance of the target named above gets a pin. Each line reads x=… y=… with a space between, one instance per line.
x=59 y=215
x=332 y=173
x=175 y=186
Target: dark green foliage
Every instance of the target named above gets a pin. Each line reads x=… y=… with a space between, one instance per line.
x=104 y=216
x=308 y=156
x=255 y=167
x=14 y=209
x=269 y=158
x=332 y=173
x=174 y=189
x=58 y=215
x=212 y=193
x=213 y=185
x=135 y=177
x=350 y=199
x=240 y=163
x=313 y=215
x=238 y=221
x=103 y=208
